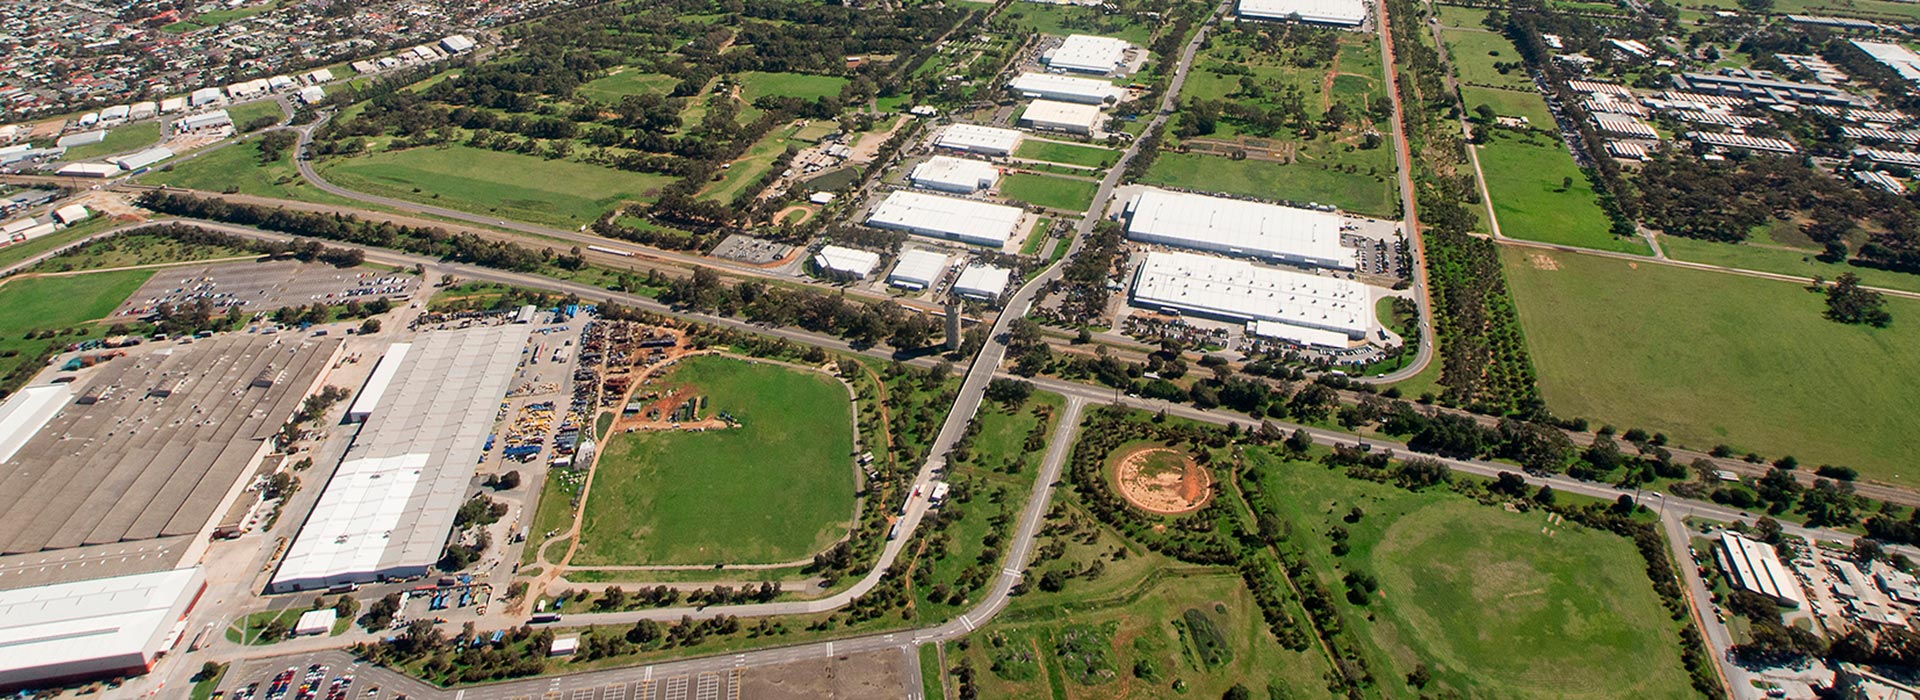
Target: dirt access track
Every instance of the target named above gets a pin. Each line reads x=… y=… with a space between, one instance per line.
x=1163 y=480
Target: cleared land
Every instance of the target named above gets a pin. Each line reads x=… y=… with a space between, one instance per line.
x=1057 y=152
x=528 y=188
x=237 y=168
x=55 y=303
x=1496 y=604
x=247 y=113
x=1710 y=358
x=1360 y=192
x=1062 y=20
x=757 y=84
x=1510 y=103
x=1475 y=51
x=775 y=489
x=628 y=82
x=1540 y=194
x=131 y=137
x=1048 y=191
x=1785 y=261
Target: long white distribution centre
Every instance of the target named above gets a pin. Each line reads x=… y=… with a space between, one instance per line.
x=1239 y=227
x=1237 y=290
x=1089 y=54
x=973 y=138
x=1340 y=12
x=952 y=218
x=1065 y=88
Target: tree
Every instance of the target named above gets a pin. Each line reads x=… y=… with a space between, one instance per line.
x=1299 y=442
x=1768 y=529
x=1237 y=692
x=370 y=326
x=1847 y=302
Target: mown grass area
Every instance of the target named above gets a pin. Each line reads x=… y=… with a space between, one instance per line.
x=1881 y=9
x=509 y=185
x=1048 y=191
x=1064 y=20
x=1711 y=358
x=65 y=304
x=1540 y=194
x=245 y=114
x=1361 y=192
x=129 y=249
x=757 y=84
x=626 y=82
x=724 y=496
x=1511 y=103
x=1461 y=17
x=1071 y=154
x=203 y=688
x=238 y=168
x=1475 y=51
x=1767 y=258
x=131 y=137
x=747 y=170
x=1494 y=603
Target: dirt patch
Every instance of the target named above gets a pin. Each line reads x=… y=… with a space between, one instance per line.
x=1543 y=261
x=1163 y=480
x=785 y=216
x=870 y=675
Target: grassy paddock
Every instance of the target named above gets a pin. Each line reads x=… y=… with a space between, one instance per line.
x=1071 y=154
x=131 y=137
x=1301 y=181
x=1782 y=261
x=724 y=496
x=1525 y=175
x=509 y=185
x=757 y=84
x=1475 y=51
x=1049 y=191
x=1511 y=103
x=1711 y=358
x=627 y=82
x=56 y=303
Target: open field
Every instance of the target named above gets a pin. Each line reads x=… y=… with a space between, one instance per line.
x=627 y=82
x=1301 y=181
x=1071 y=154
x=757 y=84
x=218 y=17
x=1529 y=178
x=509 y=185
x=1063 y=20
x=1461 y=17
x=1048 y=191
x=1709 y=358
x=1475 y=51
x=237 y=168
x=1511 y=103
x=246 y=113
x=52 y=304
x=1496 y=604
x=1880 y=9
x=750 y=166
x=1767 y=258
x=131 y=137
x=136 y=248
x=723 y=496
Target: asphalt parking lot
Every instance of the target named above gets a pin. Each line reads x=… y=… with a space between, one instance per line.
x=265 y=286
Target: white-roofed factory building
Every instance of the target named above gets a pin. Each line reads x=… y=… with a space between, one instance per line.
x=388 y=509
x=973 y=138
x=982 y=282
x=918 y=269
x=843 y=263
x=957 y=175
x=1083 y=53
x=1343 y=13
x=143 y=159
x=214 y=120
x=92 y=629
x=1755 y=566
x=26 y=412
x=1066 y=88
x=1239 y=291
x=378 y=383
x=951 y=218
x=1069 y=117
x=1239 y=227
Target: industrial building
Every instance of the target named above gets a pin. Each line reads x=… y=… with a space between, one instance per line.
x=316 y=622
x=71 y=214
x=1761 y=87
x=1083 y=53
x=457 y=43
x=312 y=94
x=377 y=384
x=840 y=262
x=100 y=170
x=1744 y=142
x=216 y=119
x=918 y=269
x=203 y=97
x=26 y=412
x=984 y=140
x=153 y=447
x=1064 y=88
x=1622 y=125
x=388 y=509
x=93 y=629
x=142 y=159
x=982 y=282
x=1901 y=59
x=956 y=175
x=85 y=138
x=952 y=218
x=1305 y=308
x=1342 y=13
x=1239 y=227
x=1755 y=566
x=1070 y=117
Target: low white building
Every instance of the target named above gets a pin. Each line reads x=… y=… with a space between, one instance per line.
x=918 y=269
x=1084 y=53
x=99 y=628
x=563 y=646
x=958 y=175
x=204 y=121
x=1342 y=13
x=1070 y=117
x=973 y=138
x=840 y=262
x=1754 y=566
x=457 y=43
x=281 y=82
x=952 y=218
x=143 y=110
x=203 y=97
x=312 y=94
x=982 y=282
x=317 y=622
x=251 y=88
x=71 y=214
x=1066 y=88
x=142 y=159
x=85 y=138
x=116 y=113
x=172 y=104
x=99 y=170
x=319 y=76
x=1239 y=227
x=1239 y=291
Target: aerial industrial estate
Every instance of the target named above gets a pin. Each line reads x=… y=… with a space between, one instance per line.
x=779 y=349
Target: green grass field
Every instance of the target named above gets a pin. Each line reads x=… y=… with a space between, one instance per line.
x=1064 y=20
x=135 y=248
x=756 y=84
x=747 y=170
x=1525 y=175
x=1048 y=191
x=778 y=488
x=56 y=303
x=246 y=113
x=509 y=185
x=1497 y=604
x=1780 y=260
x=1511 y=103
x=1899 y=11
x=1300 y=181
x=1461 y=17
x=237 y=167
x=627 y=82
x=131 y=137
x=218 y=17
x=1712 y=358
x=1475 y=51
x=1071 y=154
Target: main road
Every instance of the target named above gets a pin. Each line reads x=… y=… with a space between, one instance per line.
x=1409 y=208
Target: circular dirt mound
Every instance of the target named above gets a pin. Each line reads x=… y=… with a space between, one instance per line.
x=1163 y=480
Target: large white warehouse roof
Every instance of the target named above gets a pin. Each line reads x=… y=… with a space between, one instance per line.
x=1063 y=116
x=1089 y=54
x=955 y=175
x=979 y=139
x=376 y=387
x=964 y=220
x=1901 y=59
x=1241 y=291
x=918 y=269
x=1066 y=88
x=92 y=628
x=27 y=411
x=851 y=262
x=982 y=281
x=1342 y=12
x=1238 y=227
x=1756 y=567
